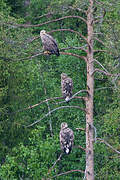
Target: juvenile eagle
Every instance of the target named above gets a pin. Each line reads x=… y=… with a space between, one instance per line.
x=66 y=86
x=49 y=44
x=66 y=138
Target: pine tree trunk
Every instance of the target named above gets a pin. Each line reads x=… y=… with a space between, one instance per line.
x=89 y=102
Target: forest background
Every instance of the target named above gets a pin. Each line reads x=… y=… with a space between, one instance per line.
x=28 y=78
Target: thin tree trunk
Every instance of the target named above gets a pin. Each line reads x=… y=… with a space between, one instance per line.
x=89 y=102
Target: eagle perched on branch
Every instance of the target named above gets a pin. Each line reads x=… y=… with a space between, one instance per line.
x=49 y=44
x=66 y=138
x=66 y=86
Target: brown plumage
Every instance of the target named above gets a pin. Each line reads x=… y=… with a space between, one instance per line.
x=66 y=138
x=49 y=44
x=66 y=86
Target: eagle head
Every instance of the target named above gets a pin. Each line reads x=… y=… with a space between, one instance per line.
x=42 y=32
x=64 y=125
x=64 y=76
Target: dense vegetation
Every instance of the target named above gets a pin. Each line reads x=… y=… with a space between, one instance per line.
x=30 y=152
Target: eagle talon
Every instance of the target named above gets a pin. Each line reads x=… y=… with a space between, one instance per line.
x=47 y=52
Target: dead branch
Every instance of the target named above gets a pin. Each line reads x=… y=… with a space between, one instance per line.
x=100 y=41
x=107 y=144
x=54 y=98
x=31 y=57
x=106 y=73
x=100 y=50
x=81 y=97
x=101 y=65
x=67 y=172
x=100 y=3
x=103 y=88
x=75 y=55
x=44 y=15
x=82 y=129
x=74 y=48
x=74 y=97
x=65 y=53
x=48 y=22
x=62 y=107
x=70 y=30
x=78 y=9
x=30 y=107
x=80 y=147
x=59 y=158
x=81 y=91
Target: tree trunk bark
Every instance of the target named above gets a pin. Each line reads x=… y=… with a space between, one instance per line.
x=89 y=102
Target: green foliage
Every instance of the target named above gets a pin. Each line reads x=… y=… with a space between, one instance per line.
x=109 y=161
x=31 y=160
x=17 y=7
x=30 y=153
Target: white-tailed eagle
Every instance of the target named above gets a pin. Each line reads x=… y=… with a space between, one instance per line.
x=66 y=138
x=49 y=44
x=66 y=86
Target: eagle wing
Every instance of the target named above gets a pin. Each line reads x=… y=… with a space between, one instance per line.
x=67 y=87
x=66 y=140
x=50 y=44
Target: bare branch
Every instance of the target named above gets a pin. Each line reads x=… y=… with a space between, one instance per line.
x=75 y=97
x=70 y=30
x=31 y=57
x=106 y=73
x=101 y=65
x=44 y=15
x=99 y=41
x=48 y=22
x=81 y=97
x=100 y=3
x=49 y=99
x=100 y=50
x=59 y=158
x=65 y=53
x=81 y=91
x=75 y=55
x=82 y=129
x=67 y=172
x=62 y=107
x=103 y=141
x=81 y=10
x=79 y=147
x=74 y=48
x=30 y=107
x=103 y=88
